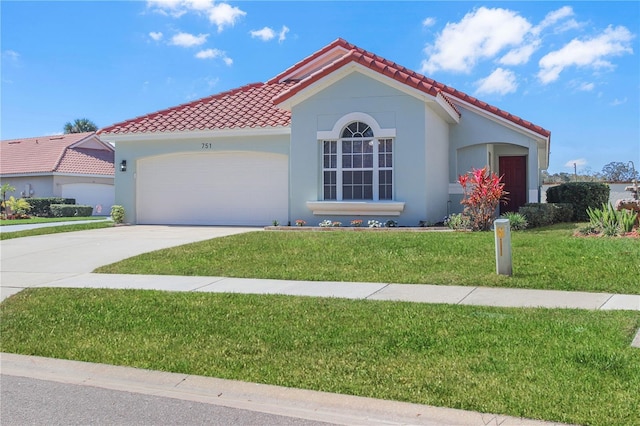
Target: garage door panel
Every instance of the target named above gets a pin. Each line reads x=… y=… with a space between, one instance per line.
x=230 y=188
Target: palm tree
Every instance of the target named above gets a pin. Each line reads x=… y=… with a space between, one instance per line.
x=80 y=125
x=3 y=191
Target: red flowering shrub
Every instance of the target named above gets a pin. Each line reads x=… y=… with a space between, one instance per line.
x=483 y=191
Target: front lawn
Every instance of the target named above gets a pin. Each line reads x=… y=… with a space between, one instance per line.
x=559 y=365
x=8 y=222
x=546 y=258
x=55 y=230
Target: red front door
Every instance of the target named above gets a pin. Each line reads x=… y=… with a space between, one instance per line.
x=514 y=175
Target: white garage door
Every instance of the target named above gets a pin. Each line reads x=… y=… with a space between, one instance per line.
x=100 y=196
x=225 y=188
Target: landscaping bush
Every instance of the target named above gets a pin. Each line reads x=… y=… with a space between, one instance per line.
x=562 y=212
x=609 y=222
x=40 y=206
x=70 y=210
x=517 y=221
x=117 y=214
x=537 y=214
x=582 y=195
x=544 y=214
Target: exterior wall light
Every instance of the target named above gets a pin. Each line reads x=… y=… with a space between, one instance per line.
x=123 y=166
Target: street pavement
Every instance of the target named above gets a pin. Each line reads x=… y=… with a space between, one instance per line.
x=75 y=392
x=67 y=259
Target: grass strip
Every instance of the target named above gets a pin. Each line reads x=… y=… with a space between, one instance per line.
x=549 y=258
x=33 y=220
x=558 y=365
x=54 y=230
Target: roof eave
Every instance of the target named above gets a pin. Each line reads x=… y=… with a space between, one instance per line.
x=198 y=134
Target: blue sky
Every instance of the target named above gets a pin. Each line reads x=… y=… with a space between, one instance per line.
x=570 y=67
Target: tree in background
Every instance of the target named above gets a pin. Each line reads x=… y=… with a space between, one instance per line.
x=3 y=191
x=619 y=172
x=80 y=125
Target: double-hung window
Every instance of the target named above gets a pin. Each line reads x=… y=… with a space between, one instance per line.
x=358 y=166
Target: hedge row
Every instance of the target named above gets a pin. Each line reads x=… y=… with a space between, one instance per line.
x=70 y=210
x=41 y=206
x=544 y=214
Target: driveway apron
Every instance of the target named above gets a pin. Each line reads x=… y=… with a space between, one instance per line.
x=34 y=261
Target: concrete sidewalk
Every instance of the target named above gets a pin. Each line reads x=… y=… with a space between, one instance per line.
x=420 y=293
x=289 y=402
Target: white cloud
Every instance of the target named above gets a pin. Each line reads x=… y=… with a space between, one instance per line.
x=264 y=34
x=617 y=102
x=167 y=7
x=520 y=55
x=586 y=87
x=482 y=33
x=224 y=15
x=429 y=22
x=214 y=54
x=500 y=81
x=283 y=34
x=220 y=14
x=11 y=57
x=157 y=36
x=188 y=40
x=268 y=34
x=552 y=18
x=591 y=53
x=579 y=162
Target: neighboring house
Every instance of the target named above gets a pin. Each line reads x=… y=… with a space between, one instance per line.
x=342 y=134
x=77 y=165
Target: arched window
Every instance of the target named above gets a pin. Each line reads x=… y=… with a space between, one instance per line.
x=357 y=166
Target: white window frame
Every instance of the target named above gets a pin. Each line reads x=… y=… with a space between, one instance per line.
x=356 y=207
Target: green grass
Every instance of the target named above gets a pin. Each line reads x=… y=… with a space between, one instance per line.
x=549 y=258
x=55 y=230
x=559 y=365
x=47 y=220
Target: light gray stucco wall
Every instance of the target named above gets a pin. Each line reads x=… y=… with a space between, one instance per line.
x=477 y=142
x=419 y=159
x=42 y=186
x=134 y=150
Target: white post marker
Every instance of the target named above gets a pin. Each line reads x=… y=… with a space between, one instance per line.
x=502 y=229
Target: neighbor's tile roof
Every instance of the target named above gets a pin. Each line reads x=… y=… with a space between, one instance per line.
x=249 y=106
x=255 y=105
x=54 y=154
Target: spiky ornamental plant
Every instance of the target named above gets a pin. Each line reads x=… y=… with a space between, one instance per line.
x=483 y=190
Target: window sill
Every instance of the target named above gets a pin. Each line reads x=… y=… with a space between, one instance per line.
x=356 y=208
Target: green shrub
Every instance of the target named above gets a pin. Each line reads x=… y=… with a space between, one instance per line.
x=40 y=206
x=458 y=222
x=70 y=210
x=18 y=206
x=610 y=222
x=117 y=214
x=582 y=195
x=562 y=212
x=538 y=214
x=517 y=221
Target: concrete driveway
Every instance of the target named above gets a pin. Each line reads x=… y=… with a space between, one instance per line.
x=32 y=261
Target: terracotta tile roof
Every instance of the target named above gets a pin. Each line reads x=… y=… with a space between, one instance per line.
x=255 y=105
x=250 y=106
x=398 y=73
x=69 y=154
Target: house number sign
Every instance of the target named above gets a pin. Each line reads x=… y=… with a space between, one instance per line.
x=206 y=145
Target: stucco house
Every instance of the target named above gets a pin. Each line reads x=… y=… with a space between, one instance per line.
x=340 y=135
x=77 y=165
